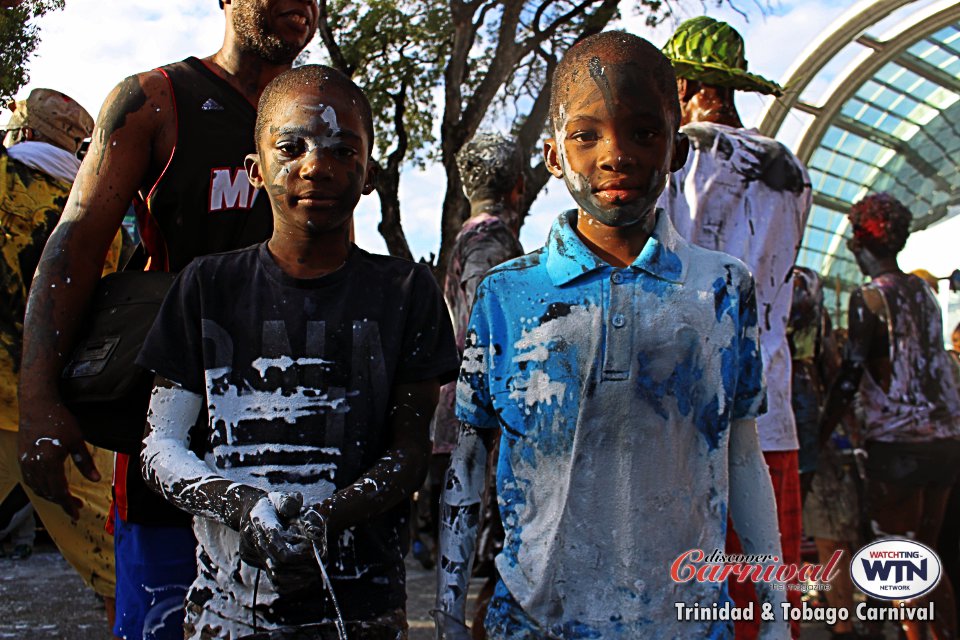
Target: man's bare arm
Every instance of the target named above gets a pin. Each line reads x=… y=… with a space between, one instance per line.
x=753 y=509
x=459 y=520
x=394 y=477
x=863 y=325
x=120 y=161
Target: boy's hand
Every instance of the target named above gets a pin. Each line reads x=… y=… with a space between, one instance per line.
x=268 y=541
x=313 y=523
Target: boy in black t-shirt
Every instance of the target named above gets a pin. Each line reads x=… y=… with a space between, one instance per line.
x=319 y=366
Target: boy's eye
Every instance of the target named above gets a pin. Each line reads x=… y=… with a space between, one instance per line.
x=289 y=147
x=344 y=152
x=584 y=136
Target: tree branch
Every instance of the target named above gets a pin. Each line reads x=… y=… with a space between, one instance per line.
x=339 y=62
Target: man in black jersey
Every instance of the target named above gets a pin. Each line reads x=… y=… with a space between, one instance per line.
x=174 y=138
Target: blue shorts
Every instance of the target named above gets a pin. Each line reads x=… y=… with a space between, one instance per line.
x=155 y=567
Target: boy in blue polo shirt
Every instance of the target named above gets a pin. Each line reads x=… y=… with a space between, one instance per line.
x=623 y=366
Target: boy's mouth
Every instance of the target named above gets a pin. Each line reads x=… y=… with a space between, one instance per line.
x=315 y=201
x=619 y=195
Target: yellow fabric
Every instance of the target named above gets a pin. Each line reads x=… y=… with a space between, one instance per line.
x=85 y=544
x=30 y=206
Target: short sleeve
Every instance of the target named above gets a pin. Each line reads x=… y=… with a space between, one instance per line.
x=428 y=350
x=750 y=399
x=174 y=347
x=474 y=405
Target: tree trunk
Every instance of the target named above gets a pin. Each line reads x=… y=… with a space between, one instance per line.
x=388 y=189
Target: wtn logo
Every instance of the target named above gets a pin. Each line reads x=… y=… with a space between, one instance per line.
x=903 y=570
x=895 y=569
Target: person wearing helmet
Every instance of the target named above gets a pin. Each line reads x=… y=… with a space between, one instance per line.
x=747 y=195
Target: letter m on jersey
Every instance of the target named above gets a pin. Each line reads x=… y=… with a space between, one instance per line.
x=230 y=189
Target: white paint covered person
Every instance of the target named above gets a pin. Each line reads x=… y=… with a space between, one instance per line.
x=747 y=195
x=319 y=365
x=622 y=365
x=895 y=361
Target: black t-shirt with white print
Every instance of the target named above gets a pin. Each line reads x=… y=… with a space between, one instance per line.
x=297 y=376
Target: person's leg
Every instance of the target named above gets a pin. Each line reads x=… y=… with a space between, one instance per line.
x=785 y=477
x=840 y=594
x=935 y=500
x=155 y=568
x=908 y=488
x=23 y=531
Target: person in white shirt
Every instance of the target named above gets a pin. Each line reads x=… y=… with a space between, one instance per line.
x=747 y=195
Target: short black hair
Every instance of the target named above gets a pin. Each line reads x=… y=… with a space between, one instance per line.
x=881 y=223
x=614 y=46
x=317 y=75
x=489 y=166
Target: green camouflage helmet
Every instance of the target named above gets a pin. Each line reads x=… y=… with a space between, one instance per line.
x=711 y=52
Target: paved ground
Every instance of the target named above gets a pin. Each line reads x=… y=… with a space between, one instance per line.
x=41 y=598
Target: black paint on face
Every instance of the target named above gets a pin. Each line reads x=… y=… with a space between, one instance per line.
x=314 y=159
x=600 y=79
x=616 y=141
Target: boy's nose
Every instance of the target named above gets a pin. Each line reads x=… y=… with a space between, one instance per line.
x=613 y=155
x=317 y=163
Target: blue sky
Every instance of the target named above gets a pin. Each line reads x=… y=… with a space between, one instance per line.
x=87 y=49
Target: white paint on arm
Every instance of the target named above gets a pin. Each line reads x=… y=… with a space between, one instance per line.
x=170 y=467
x=753 y=510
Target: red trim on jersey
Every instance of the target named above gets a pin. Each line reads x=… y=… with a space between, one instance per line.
x=153 y=242
x=158 y=260
x=120 y=487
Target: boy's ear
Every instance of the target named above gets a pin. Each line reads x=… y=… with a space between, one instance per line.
x=370 y=179
x=551 y=157
x=681 y=149
x=252 y=164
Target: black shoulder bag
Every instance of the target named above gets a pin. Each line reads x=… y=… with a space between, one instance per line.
x=101 y=384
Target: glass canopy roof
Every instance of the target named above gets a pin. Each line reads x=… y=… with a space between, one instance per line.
x=890 y=122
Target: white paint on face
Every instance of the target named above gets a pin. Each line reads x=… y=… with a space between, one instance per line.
x=331 y=135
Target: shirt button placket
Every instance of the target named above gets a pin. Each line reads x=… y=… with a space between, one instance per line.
x=616 y=365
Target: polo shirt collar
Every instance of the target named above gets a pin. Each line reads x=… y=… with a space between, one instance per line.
x=665 y=256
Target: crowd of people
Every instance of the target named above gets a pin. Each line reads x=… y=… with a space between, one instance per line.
x=658 y=377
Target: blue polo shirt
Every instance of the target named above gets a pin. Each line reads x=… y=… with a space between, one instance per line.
x=616 y=390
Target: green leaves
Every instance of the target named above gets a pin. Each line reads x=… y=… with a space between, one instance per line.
x=395 y=51
x=18 y=40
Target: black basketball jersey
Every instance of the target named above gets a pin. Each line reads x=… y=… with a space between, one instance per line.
x=201 y=204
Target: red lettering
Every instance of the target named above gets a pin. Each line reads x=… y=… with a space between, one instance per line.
x=678 y=566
